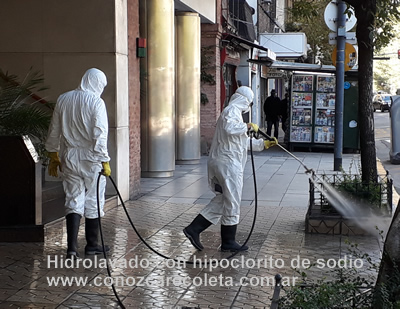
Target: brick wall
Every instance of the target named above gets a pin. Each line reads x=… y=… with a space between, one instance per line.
x=209 y=112
x=134 y=99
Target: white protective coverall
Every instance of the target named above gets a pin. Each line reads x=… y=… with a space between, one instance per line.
x=79 y=132
x=227 y=159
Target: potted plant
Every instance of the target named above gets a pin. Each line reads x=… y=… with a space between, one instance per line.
x=24 y=122
x=338 y=200
x=22 y=112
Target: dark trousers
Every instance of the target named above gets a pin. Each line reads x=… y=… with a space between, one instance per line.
x=274 y=123
x=284 y=127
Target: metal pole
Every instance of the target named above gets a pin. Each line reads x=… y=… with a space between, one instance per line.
x=340 y=57
x=277 y=290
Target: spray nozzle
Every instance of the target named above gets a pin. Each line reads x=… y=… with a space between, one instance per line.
x=309 y=171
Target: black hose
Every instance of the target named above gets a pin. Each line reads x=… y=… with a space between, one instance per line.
x=103 y=246
x=180 y=261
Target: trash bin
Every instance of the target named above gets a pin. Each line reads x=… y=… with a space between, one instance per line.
x=351 y=131
x=394 y=152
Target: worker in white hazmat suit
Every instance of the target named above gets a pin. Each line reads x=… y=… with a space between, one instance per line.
x=226 y=163
x=77 y=146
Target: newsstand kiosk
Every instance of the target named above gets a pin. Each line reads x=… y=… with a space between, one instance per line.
x=312 y=111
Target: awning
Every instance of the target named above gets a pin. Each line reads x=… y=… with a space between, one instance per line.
x=297 y=66
x=238 y=41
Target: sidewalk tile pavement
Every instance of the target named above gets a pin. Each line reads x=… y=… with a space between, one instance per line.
x=164 y=208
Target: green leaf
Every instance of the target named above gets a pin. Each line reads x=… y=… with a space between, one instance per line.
x=21 y=112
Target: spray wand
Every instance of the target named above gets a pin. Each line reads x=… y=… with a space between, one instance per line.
x=308 y=170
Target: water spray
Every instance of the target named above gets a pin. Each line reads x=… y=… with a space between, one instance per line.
x=348 y=208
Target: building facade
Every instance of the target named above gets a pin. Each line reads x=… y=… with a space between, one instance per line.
x=171 y=66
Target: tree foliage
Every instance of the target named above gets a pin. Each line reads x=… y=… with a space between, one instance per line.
x=382 y=78
x=385 y=13
x=386 y=17
x=307 y=17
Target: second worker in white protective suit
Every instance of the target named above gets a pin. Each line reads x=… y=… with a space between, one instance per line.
x=226 y=163
x=79 y=132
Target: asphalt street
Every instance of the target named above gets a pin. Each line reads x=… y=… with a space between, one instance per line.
x=383 y=145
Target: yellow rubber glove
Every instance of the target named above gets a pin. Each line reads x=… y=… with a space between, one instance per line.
x=54 y=164
x=254 y=127
x=106 y=169
x=268 y=144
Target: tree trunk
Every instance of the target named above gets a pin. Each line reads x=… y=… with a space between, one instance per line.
x=390 y=264
x=365 y=13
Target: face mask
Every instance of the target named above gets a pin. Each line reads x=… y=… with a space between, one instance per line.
x=248 y=109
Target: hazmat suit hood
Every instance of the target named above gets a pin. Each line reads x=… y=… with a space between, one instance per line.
x=94 y=81
x=79 y=127
x=242 y=98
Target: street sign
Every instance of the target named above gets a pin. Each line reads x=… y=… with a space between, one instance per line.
x=350 y=38
x=330 y=17
x=350 y=56
x=273 y=73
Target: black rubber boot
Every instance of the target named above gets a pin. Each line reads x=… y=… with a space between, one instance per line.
x=73 y=221
x=228 y=235
x=192 y=232
x=91 y=233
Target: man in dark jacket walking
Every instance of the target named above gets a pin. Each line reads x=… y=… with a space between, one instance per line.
x=272 y=112
x=284 y=111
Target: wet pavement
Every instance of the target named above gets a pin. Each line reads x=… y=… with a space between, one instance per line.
x=29 y=271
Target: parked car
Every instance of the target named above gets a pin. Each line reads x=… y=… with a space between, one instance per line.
x=382 y=102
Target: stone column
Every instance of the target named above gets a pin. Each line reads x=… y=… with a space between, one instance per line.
x=158 y=89
x=187 y=38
